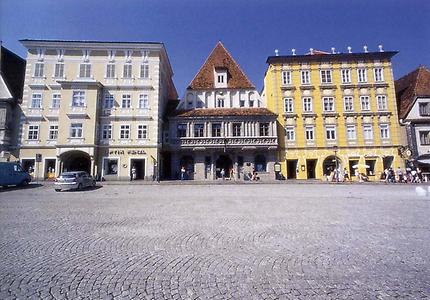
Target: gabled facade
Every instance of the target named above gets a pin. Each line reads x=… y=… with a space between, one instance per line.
x=12 y=68
x=94 y=106
x=336 y=111
x=413 y=96
x=221 y=125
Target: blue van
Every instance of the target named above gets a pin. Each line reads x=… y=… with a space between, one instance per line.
x=13 y=174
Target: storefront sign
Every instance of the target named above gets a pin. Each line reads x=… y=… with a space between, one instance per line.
x=129 y=152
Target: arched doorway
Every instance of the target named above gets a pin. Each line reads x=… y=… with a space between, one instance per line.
x=76 y=161
x=187 y=161
x=223 y=162
x=330 y=164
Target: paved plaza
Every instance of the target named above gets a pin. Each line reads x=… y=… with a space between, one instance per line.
x=249 y=241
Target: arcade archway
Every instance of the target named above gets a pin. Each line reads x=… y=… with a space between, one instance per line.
x=225 y=163
x=330 y=164
x=76 y=161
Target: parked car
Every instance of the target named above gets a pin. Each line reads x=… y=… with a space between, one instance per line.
x=74 y=180
x=12 y=173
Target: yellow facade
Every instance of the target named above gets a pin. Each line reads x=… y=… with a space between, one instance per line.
x=313 y=158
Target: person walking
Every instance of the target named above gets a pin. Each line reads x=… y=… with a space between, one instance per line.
x=133 y=173
x=183 y=173
x=222 y=173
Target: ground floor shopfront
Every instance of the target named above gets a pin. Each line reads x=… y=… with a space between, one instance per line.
x=105 y=163
x=321 y=163
x=222 y=165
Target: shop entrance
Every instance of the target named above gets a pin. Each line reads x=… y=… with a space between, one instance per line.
x=76 y=161
x=292 y=168
x=187 y=162
x=310 y=167
x=329 y=167
x=49 y=172
x=225 y=163
x=28 y=165
x=138 y=164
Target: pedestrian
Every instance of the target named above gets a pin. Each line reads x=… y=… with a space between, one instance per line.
x=399 y=175
x=183 y=173
x=232 y=174
x=345 y=175
x=133 y=173
x=222 y=173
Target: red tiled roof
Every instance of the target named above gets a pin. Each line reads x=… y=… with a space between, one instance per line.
x=410 y=86
x=215 y=112
x=220 y=58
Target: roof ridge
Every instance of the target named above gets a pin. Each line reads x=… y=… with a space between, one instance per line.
x=204 y=63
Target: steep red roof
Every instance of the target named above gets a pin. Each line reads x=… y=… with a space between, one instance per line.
x=220 y=58
x=409 y=87
x=215 y=112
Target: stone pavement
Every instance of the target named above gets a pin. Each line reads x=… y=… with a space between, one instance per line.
x=266 y=241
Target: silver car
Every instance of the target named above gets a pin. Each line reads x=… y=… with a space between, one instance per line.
x=74 y=180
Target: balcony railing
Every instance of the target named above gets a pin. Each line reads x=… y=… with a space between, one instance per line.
x=217 y=142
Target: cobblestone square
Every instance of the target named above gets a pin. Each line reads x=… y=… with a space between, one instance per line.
x=249 y=241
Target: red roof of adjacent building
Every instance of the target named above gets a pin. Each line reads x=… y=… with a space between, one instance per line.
x=220 y=58
x=218 y=112
x=409 y=87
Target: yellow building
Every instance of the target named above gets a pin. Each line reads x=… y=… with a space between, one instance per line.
x=336 y=111
x=94 y=106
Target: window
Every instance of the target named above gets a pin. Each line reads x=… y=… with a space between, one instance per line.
x=365 y=102
x=370 y=171
x=56 y=99
x=289 y=105
x=108 y=101
x=385 y=131
x=107 y=132
x=220 y=102
x=290 y=133
x=348 y=103
x=33 y=132
x=368 y=132
x=124 y=132
x=216 y=129
x=36 y=101
x=362 y=75
x=111 y=166
x=328 y=103
x=76 y=130
x=110 y=71
x=85 y=70
x=351 y=133
x=126 y=101
x=181 y=130
x=346 y=75
x=199 y=130
x=260 y=163
x=251 y=103
x=220 y=78
x=144 y=70
x=237 y=129
x=127 y=73
x=378 y=74
x=424 y=108
x=264 y=129
x=241 y=103
x=305 y=77
x=330 y=133
x=59 y=70
x=425 y=137
x=307 y=104
x=382 y=102
x=142 y=132
x=143 y=101
x=325 y=76
x=78 y=99
x=309 y=133
x=286 y=77
x=38 y=69
x=53 y=132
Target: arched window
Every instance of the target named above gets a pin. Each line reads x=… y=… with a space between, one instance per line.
x=260 y=163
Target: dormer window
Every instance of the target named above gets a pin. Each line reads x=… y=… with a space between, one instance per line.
x=220 y=78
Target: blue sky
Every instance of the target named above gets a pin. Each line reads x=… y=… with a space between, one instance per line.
x=250 y=29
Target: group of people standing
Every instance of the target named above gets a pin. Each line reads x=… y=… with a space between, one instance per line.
x=407 y=176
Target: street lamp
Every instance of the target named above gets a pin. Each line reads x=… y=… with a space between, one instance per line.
x=336 y=171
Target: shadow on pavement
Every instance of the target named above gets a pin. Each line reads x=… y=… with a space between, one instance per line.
x=87 y=189
x=22 y=187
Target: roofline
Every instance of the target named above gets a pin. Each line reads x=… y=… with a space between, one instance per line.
x=330 y=57
x=11 y=53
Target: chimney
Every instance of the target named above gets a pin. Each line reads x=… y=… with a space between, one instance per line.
x=276 y=52
x=365 y=49
x=293 y=51
x=349 y=49
x=311 y=50
x=333 y=50
x=380 y=48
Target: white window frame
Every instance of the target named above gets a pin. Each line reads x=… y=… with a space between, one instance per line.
x=144 y=70
x=36 y=98
x=106 y=132
x=110 y=71
x=127 y=72
x=126 y=99
x=351 y=132
x=84 y=70
x=310 y=133
x=33 y=132
x=286 y=78
x=305 y=77
x=330 y=132
x=362 y=75
x=382 y=102
x=76 y=132
x=345 y=75
x=143 y=101
x=378 y=74
x=365 y=100
x=220 y=102
x=53 y=132
x=79 y=98
x=326 y=76
x=367 y=132
x=59 y=70
x=124 y=132
x=56 y=100
x=348 y=102
x=305 y=104
x=288 y=105
x=108 y=101
x=290 y=133
x=142 y=131
x=384 y=130
x=328 y=104
x=39 y=70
